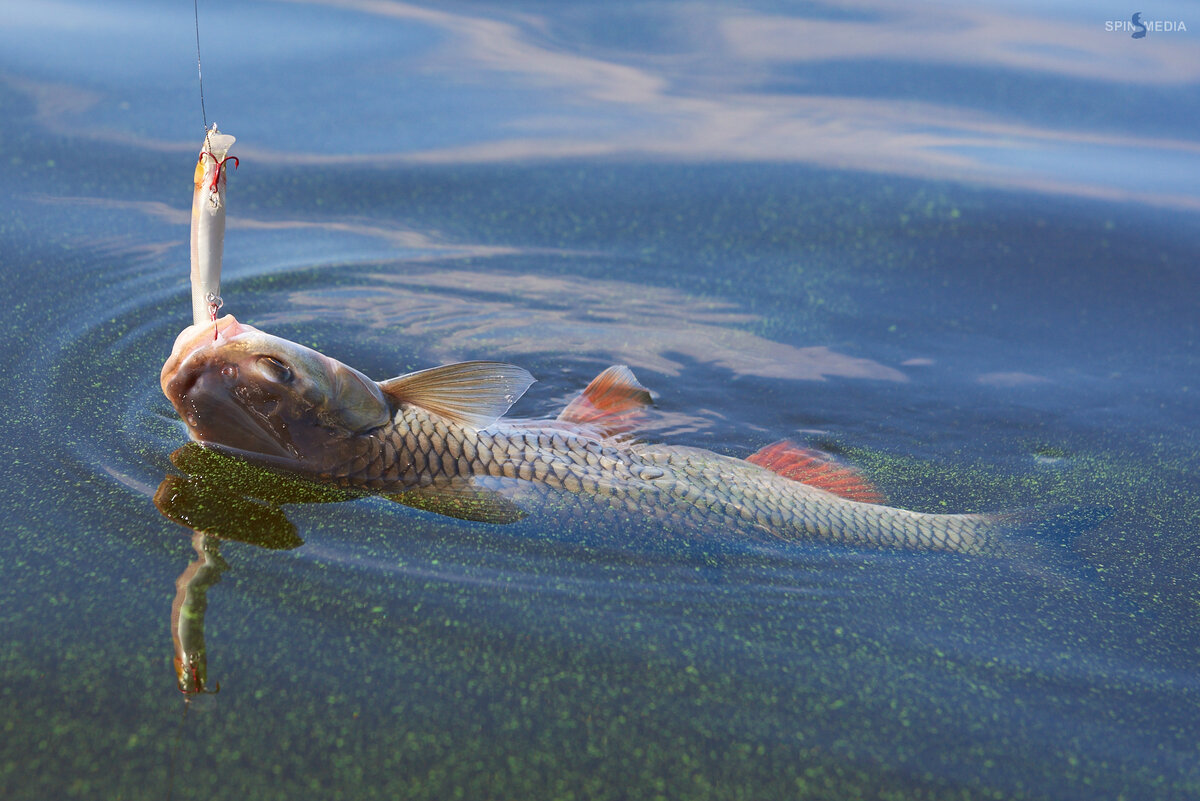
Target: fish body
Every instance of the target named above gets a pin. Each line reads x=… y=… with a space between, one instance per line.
x=436 y=439
x=691 y=488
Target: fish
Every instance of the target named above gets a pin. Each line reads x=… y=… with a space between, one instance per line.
x=437 y=439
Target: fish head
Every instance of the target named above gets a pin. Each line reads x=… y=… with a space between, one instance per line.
x=265 y=397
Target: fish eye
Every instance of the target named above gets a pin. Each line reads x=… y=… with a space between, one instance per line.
x=274 y=369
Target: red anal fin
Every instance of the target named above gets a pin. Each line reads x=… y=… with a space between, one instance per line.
x=613 y=403
x=816 y=469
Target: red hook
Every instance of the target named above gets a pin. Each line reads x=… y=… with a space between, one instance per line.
x=220 y=166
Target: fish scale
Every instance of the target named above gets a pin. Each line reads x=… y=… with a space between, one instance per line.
x=687 y=485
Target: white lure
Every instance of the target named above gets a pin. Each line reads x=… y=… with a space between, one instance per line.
x=208 y=224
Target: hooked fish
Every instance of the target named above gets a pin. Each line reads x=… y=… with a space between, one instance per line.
x=436 y=439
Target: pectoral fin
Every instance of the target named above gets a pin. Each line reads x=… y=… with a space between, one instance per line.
x=473 y=394
x=463 y=501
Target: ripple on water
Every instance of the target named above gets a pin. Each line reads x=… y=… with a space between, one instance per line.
x=411 y=315
x=865 y=626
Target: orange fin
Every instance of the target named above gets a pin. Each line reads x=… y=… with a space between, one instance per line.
x=816 y=469
x=613 y=403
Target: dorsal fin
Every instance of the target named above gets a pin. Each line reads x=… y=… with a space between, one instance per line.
x=613 y=403
x=816 y=469
x=473 y=394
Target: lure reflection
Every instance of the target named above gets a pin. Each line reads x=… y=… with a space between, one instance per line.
x=187 y=615
x=220 y=499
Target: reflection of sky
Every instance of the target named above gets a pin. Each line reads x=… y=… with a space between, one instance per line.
x=930 y=89
x=1152 y=171
x=132 y=43
x=1089 y=10
x=641 y=326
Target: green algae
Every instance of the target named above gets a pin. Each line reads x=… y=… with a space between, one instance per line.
x=409 y=675
x=542 y=710
x=1148 y=547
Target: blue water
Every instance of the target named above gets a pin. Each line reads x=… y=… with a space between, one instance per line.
x=956 y=244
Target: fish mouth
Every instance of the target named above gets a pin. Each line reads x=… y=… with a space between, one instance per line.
x=242 y=419
x=195 y=338
x=215 y=415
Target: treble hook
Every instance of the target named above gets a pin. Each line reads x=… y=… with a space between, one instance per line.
x=196 y=682
x=220 y=166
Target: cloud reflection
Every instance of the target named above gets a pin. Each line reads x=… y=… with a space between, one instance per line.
x=654 y=328
x=708 y=99
x=1011 y=379
x=394 y=235
x=965 y=35
x=659 y=329
x=682 y=112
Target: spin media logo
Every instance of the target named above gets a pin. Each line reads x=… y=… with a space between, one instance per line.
x=1140 y=27
x=1137 y=23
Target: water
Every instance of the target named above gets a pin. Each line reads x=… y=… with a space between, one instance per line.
x=956 y=244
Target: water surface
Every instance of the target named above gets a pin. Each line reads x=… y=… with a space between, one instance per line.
x=956 y=244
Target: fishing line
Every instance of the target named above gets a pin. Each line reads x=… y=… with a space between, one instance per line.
x=175 y=750
x=199 y=71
